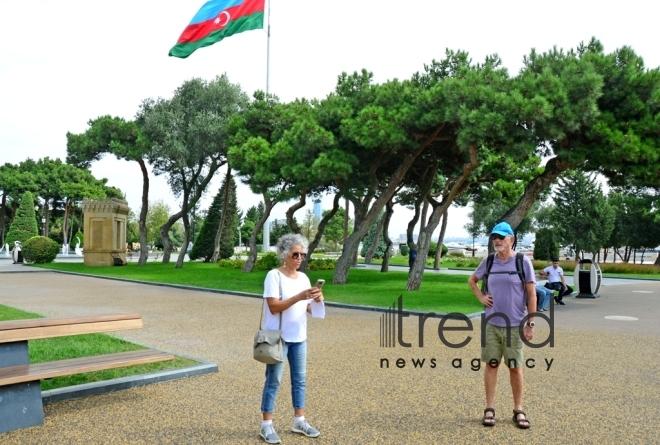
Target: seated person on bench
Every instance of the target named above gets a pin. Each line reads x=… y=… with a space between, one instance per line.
x=556 y=281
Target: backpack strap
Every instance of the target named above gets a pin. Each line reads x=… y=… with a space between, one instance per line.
x=520 y=271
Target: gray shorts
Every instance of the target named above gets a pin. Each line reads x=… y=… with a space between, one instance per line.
x=496 y=347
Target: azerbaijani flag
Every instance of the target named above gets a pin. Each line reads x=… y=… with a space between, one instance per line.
x=216 y=20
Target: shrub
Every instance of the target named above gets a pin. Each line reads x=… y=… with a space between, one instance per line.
x=231 y=264
x=456 y=254
x=267 y=262
x=74 y=241
x=321 y=264
x=24 y=225
x=40 y=249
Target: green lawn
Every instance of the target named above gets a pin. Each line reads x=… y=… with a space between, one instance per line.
x=61 y=348
x=439 y=293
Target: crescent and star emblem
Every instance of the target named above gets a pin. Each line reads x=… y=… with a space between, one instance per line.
x=222 y=19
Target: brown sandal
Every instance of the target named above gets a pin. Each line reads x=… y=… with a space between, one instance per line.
x=519 y=422
x=488 y=420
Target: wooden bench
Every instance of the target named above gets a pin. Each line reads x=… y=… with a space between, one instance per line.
x=20 y=391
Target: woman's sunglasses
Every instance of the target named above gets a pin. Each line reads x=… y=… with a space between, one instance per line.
x=495 y=236
x=298 y=255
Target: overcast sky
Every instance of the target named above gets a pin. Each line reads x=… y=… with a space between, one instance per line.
x=65 y=62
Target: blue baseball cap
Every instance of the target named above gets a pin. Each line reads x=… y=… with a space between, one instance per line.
x=503 y=229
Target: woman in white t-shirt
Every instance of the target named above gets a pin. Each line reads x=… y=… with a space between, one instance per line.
x=297 y=293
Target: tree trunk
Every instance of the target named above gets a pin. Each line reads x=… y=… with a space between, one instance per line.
x=291 y=222
x=46 y=216
x=425 y=210
x=553 y=168
x=218 y=236
x=345 y=223
x=343 y=265
x=252 y=258
x=14 y=208
x=65 y=223
x=142 y=221
x=187 y=204
x=319 y=233
x=441 y=239
x=184 y=247
x=410 y=230
x=424 y=241
x=73 y=216
x=369 y=255
x=657 y=260
x=3 y=206
x=389 y=210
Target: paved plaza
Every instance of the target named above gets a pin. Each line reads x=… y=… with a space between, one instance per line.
x=602 y=386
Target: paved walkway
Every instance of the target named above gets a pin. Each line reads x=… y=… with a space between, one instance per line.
x=602 y=385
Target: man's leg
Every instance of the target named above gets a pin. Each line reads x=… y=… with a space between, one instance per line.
x=517 y=384
x=490 y=382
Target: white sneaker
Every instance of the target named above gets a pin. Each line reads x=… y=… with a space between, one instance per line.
x=305 y=428
x=268 y=434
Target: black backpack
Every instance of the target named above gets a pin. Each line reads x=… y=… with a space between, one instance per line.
x=519 y=271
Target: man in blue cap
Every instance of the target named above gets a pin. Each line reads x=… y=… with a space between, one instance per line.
x=508 y=300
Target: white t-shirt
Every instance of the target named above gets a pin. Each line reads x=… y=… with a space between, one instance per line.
x=554 y=275
x=294 y=319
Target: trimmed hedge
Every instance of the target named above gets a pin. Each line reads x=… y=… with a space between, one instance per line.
x=40 y=249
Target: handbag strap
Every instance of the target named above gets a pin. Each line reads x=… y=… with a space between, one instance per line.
x=264 y=304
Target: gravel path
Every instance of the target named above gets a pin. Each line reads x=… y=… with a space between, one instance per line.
x=602 y=386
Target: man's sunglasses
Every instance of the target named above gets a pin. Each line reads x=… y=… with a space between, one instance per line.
x=298 y=255
x=495 y=236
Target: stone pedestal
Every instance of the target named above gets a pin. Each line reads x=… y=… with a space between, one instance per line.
x=105 y=231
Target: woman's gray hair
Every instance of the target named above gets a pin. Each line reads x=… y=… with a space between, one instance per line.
x=286 y=242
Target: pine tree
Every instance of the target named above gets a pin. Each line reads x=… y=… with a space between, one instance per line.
x=24 y=225
x=205 y=242
x=583 y=217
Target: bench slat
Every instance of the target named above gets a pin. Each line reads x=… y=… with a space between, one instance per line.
x=63 y=330
x=40 y=371
x=43 y=322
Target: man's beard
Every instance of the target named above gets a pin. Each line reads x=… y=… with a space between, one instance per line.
x=499 y=248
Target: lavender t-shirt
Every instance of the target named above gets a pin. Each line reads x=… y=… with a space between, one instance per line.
x=506 y=289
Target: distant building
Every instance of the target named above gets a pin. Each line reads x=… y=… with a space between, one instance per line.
x=317 y=209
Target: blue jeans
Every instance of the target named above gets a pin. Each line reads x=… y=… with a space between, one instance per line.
x=544 y=296
x=296 y=353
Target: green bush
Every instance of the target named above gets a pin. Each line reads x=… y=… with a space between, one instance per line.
x=40 y=249
x=231 y=264
x=321 y=264
x=456 y=254
x=24 y=225
x=267 y=262
x=74 y=241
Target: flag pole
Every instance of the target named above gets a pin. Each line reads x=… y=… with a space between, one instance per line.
x=266 y=236
x=268 y=52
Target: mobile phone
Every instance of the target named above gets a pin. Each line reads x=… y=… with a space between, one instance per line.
x=319 y=283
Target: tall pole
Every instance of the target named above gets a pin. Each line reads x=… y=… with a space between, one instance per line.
x=266 y=246
x=268 y=52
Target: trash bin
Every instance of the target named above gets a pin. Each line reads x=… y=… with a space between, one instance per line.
x=588 y=278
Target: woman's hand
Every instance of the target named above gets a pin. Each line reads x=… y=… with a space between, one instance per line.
x=313 y=293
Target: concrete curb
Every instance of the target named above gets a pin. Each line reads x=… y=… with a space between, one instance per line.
x=248 y=294
x=106 y=386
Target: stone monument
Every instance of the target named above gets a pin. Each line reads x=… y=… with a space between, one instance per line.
x=105 y=231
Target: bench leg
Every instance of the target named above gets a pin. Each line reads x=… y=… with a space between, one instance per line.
x=20 y=404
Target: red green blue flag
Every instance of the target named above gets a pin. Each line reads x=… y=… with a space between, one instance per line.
x=216 y=20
